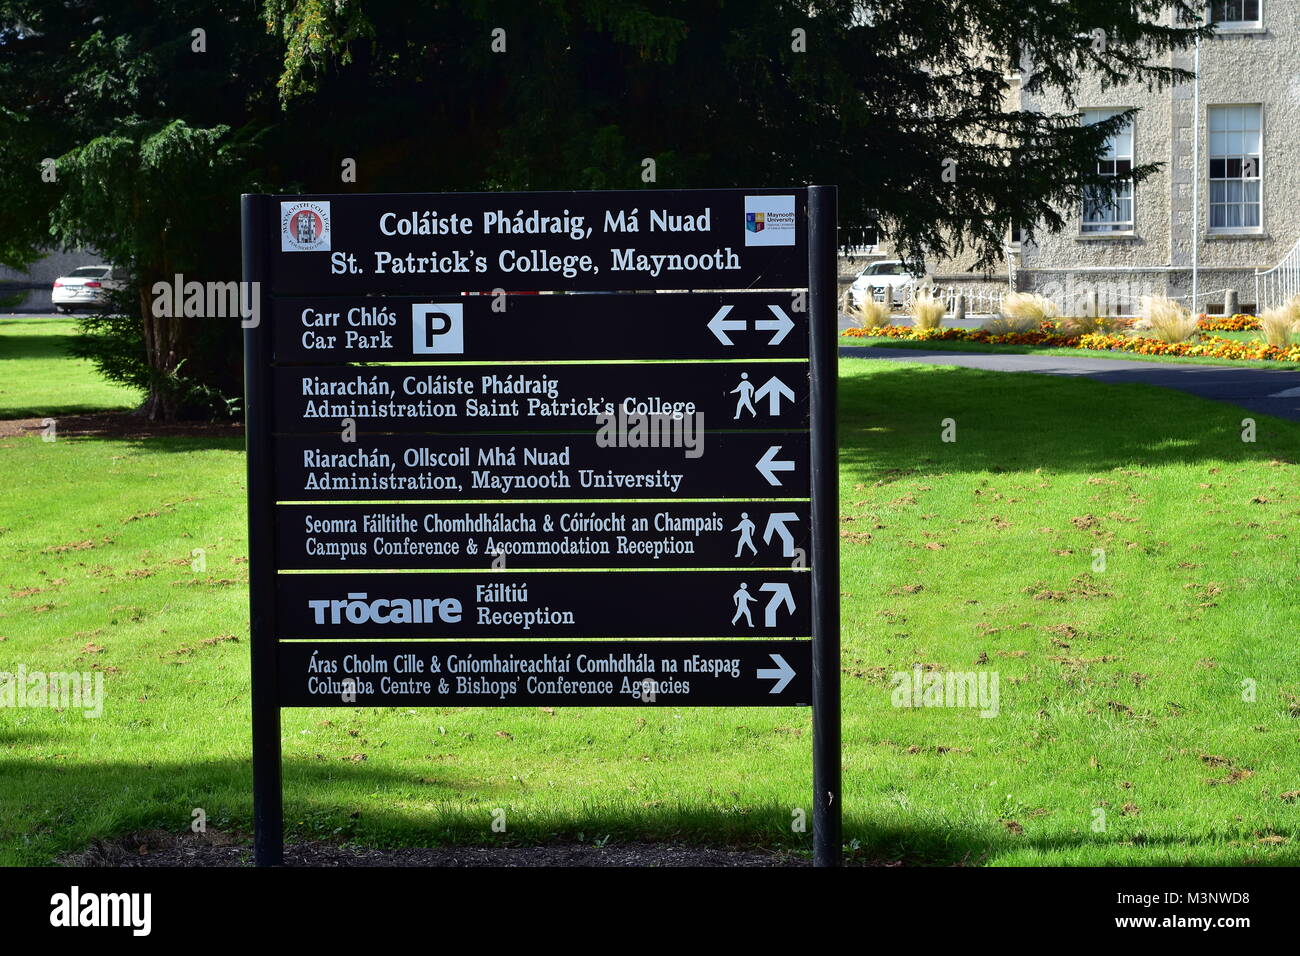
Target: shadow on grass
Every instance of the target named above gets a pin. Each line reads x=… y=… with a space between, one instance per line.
x=51 y=345
x=892 y=422
x=49 y=809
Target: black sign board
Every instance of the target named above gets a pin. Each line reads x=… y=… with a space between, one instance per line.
x=705 y=465
x=717 y=534
x=537 y=328
x=561 y=604
x=547 y=673
x=657 y=397
x=498 y=457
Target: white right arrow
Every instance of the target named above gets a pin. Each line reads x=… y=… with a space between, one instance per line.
x=720 y=325
x=782 y=673
x=776 y=525
x=781 y=325
x=768 y=466
x=780 y=595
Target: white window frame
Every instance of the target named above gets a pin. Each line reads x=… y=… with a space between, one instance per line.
x=1126 y=192
x=1228 y=26
x=1232 y=151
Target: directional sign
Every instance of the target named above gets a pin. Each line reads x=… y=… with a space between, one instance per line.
x=546 y=673
x=498 y=457
x=520 y=536
x=558 y=604
x=538 y=328
x=458 y=399
x=432 y=467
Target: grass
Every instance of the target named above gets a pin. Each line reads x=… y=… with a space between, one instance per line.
x=968 y=555
x=957 y=345
x=39 y=379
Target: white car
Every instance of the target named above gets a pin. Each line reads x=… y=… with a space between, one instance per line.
x=875 y=278
x=86 y=287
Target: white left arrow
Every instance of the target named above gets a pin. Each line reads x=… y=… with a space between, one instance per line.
x=773 y=389
x=769 y=465
x=720 y=325
x=782 y=673
x=780 y=595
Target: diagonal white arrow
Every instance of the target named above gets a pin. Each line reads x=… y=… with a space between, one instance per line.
x=781 y=325
x=720 y=325
x=776 y=525
x=773 y=389
x=780 y=595
x=782 y=673
x=768 y=465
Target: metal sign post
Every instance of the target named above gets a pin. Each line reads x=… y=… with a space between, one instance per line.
x=637 y=489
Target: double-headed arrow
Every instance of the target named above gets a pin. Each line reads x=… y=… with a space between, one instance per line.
x=720 y=325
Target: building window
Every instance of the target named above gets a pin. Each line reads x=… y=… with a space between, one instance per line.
x=1235 y=170
x=1110 y=208
x=1236 y=13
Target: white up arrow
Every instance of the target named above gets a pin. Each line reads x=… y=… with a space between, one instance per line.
x=773 y=389
x=782 y=673
x=720 y=325
x=781 y=325
x=780 y=595
x=768 y=466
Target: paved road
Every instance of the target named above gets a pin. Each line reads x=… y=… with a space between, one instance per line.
x=1264 y=391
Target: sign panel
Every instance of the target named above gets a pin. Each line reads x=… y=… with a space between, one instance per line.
x=539 y=328
x=499 y=536
x=594 y=241
x=536 y=604
x=432 y=467
x=547 y=673
x=653 y=398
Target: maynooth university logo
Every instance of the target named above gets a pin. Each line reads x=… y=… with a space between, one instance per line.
x=770 y=221
x=304 y=226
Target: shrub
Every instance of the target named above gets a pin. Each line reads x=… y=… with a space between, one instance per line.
x=1276 y=325
x=1166 y=320
x=1092 y=325
x=871 y=314
x=927 y=311
x=1028 y=309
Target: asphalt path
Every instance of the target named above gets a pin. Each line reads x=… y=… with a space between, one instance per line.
x=1264 y=391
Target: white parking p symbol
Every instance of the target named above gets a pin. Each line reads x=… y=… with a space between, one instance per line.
x=438 y=328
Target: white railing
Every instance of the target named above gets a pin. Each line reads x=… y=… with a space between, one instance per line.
x=987 y=300
x=1277 y=286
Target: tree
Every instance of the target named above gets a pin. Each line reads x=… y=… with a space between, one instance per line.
x=153 y=131
x=879 y=97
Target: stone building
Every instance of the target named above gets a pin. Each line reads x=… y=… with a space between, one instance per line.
x=1226 y=200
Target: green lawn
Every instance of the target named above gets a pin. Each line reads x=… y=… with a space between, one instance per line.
x=957 y=345
x=39 y=379
x=1120 y=690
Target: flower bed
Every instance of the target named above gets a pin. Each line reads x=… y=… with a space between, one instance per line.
x=1050 y=334
x=1211 y=346
x=1228 y=323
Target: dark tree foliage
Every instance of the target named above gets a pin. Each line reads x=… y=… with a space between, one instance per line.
x=875 y=96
